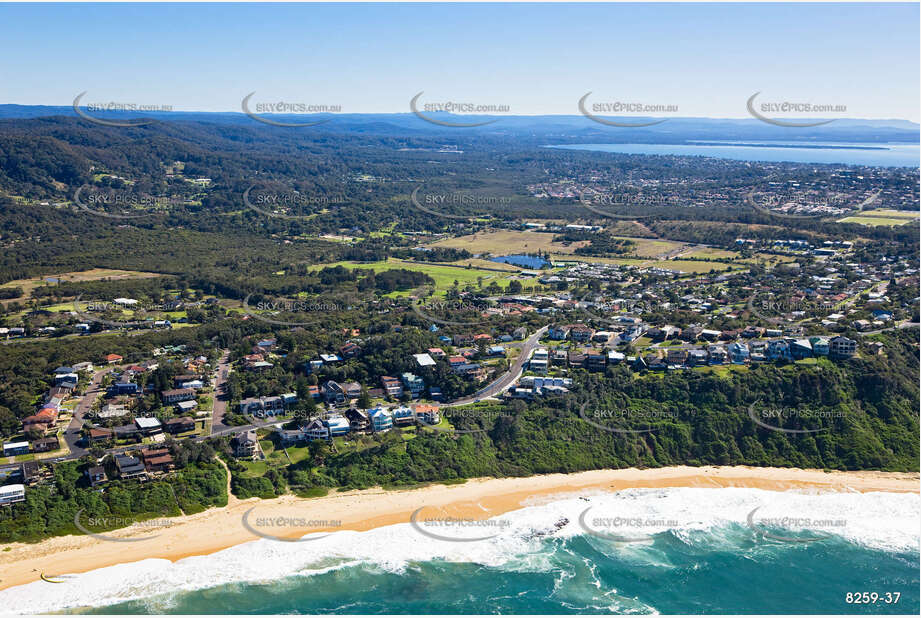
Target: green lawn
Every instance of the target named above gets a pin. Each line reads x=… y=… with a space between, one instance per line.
x=444 y=276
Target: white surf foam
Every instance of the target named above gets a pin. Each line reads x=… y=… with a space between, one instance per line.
x=883 y=521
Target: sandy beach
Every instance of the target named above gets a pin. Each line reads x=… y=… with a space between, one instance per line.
x=220 y=528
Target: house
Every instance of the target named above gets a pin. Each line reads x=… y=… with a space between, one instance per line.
x=42 y=421
x=655 y=362
x=124 y=386
x=148 y=426
x=462 y=340
x=99 y=434
x=717 y=353
x=424 y=360
x=595 y=360
x=496 y=350
x=602 y=336
x=130 y=467
x=177 y=395
x=739 y=353
x=262 y=406
x=358 y=419
x=520 y=333
x=615 y=357
x=392 y=387
x=752 y=332
x=842 y=347
x=180 y=425
x=96 y=475
x=111 y=359
x=414 y=384
x=711 y=335
x=337 y=425
x=15 y=448
x=403 y=416
x=184 y=407
x=44 y=445
x=381 y=420
x=539 y=361
x=11 y=494
x=334 y=393
x=435 y=393
x=179 y=380
x=158 y=460
x=778 y=349
x=427 y=414
x=558 y=333
x=820 y=345
x=697 y=357
x=576 y=359
x=60 y=379
x=245 y=444
x=581 y=333
x=316 y=430
x=676 y=356
x=800 y=348
x=349 y=350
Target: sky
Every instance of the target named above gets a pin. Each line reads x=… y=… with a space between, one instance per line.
x=706 y=59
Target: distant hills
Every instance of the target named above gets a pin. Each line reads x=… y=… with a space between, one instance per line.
x=551 y=129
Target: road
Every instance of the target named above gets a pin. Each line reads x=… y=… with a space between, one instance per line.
x=506 y=379
x=220 y=394
x=72 y=435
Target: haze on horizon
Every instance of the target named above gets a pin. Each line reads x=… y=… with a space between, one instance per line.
x=537 y=59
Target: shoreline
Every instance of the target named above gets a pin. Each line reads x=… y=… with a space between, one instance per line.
x=360 y=510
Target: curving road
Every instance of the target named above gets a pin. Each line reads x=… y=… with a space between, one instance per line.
x=506 y=379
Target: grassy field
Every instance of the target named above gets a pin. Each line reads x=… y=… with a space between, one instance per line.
x=874 y=221
x=94 y=274
x=648 y=247
x=505 y=242
x=444 y=276
x=709 y=253
x=882 y=216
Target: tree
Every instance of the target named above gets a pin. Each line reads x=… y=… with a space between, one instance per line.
x=364 y=400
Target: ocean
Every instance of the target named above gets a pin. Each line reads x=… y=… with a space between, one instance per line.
x=676 y=550
x=870 y=154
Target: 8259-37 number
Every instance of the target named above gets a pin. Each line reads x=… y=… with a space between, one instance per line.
x=889 y=598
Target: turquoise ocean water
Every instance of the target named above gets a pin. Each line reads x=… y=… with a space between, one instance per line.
x=636 y=551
